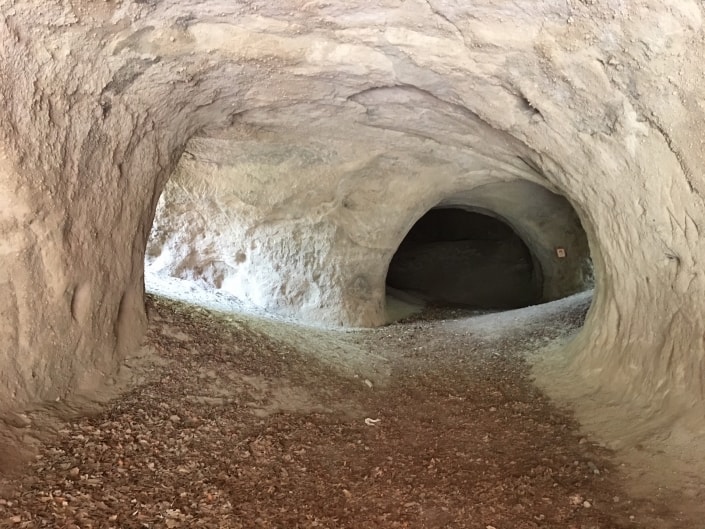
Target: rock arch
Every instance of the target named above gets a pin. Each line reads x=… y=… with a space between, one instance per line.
x=540 y=219
x=98 y=102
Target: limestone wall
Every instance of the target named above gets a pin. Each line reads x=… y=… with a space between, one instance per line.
x=306 y=229
x=600 y=102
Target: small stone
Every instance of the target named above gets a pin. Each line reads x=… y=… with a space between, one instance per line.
x=576 y=499
x=74 y=472
x=175 y=418
x=587 y=504
x=691 y=493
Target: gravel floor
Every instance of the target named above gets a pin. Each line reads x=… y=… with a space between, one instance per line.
x=230 y=428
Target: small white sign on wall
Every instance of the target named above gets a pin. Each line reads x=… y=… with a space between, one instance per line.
x=560 y=253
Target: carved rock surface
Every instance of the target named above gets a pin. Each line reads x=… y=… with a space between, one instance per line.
x=323 y=131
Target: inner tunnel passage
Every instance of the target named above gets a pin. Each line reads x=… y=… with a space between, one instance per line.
x=453 y=256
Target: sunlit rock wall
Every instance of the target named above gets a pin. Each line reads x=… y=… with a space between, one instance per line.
x=600 y=102
x=307 y=230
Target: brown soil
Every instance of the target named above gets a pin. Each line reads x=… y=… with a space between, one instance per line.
x=231 y=429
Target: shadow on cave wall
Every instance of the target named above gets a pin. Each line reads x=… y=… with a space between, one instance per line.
x=456 y=257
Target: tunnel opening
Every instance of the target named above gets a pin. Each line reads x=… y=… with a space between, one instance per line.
x=459 y=257
x=230 y=235
x=495 y=247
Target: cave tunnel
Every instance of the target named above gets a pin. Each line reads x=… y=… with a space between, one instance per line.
x=458 y=257
x=497 y=246
x=296 y=146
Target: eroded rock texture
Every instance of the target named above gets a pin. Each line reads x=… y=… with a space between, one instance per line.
x=318 y=133
x=307 y=228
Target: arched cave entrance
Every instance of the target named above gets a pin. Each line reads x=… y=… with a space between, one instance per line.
x=496 y=246
x=455 y=256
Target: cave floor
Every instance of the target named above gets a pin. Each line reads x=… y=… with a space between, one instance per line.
x=229 y=426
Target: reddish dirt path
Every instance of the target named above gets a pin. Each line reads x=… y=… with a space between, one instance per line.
x=230 y=429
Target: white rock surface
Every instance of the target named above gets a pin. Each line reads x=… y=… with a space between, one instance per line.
x=306 y=229
x=415 y=102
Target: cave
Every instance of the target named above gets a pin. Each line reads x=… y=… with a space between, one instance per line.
x=467 y=259
x=280 y=154
x=497 y=246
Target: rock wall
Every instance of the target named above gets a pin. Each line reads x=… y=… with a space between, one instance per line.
x=600 y=102
x=307 y=229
